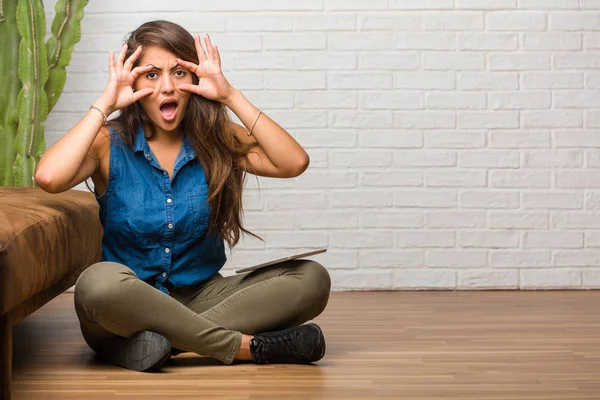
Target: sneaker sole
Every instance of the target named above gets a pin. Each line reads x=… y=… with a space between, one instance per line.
x=144 y=351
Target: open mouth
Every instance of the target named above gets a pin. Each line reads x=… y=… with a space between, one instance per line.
x=169 y=110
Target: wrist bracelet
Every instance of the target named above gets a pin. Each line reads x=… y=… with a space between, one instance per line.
x=101 y=112
x=251 y=129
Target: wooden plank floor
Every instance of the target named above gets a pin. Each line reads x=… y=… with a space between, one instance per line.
x=381 y=345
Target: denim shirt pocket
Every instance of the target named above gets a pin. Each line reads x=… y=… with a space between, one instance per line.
x=198 y=204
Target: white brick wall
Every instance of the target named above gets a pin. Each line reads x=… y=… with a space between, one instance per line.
x=453 y=143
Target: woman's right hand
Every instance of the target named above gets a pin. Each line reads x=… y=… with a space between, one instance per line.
x=119 y=91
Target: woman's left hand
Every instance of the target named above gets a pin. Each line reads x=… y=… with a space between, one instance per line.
x=212 y=84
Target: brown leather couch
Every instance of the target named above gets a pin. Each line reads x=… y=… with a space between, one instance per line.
x=46 y=241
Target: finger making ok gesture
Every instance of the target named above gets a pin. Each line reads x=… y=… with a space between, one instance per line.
x=212 y=84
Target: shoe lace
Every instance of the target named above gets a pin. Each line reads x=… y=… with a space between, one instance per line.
x=274 y=347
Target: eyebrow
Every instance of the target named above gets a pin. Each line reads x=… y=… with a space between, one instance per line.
x=160 y=69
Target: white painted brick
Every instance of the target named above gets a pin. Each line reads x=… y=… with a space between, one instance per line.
x=254 y=182
x=520 y=100
x=336 y=259
x=586 y=60
x=359 y=159
x=391 y=21
x=488 y=279
x=326 y=99
x=547 y=199
x=488 y=199
x=591 y=40
x=489 y=239
x=293 y=240
x=385 y=100
x=590 y=4
x=520 y=258
x=518 y=220
x=455 y=139
x=259 y=23
x=550 y=278
x=300 y=118
x=293 y=41
x=520 y=179
x=308 y=60
x=551 y=119
x=265 y=5
x=488 y=41
x=424 y=80
x=273 y=60
x=576 y=98
x=386 y=179
x=248 y=242
x=360 y=239
x=424 y=119
x=390 y=138
x=488 y=80
x=591 y=278
x=430 y=198
x=489 y=159
x=455 y=219
x=548 y=4
x=456 y=258
x=456 y=100
x=367 y=279
x=390 y=258
x=324 y=22
x=249 y=80
x=421 y=5
x=578 y=178
x=393 y=61
x=592 y=239
x=459 y=61
x=487 y=119
x=361 y=119
x=551 y=41
x=453 y=21
x=592 y=119
x=424 y=238
x=322 y=179
x=593 y=158
x=354 y=5
x=552 y=159
x=359 y=80
x=552 y=80
x=575 y=220
x=271 y=99
x=360 y=198
x=424 y=41
x=325 y=219
x=391 y=219
x=424 y=279
x=552 y=240
x=574 y=21
x=360 y=41
x=592 y=200
x=295 y=80
x=326 y=138
x=576 y=138
x=252 y=200
x=455 y=178
x=296 y=201
x=516 y=21
x=486 y=4
x=520 y=61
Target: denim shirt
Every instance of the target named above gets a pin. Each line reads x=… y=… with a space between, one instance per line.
x=154 y=224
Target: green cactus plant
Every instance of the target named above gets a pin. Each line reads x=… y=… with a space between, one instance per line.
x=32 y=77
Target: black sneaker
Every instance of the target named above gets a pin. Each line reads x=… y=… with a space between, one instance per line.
x=299 y=345
x=141 y=351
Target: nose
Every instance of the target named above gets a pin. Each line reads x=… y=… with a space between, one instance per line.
x=167 y=84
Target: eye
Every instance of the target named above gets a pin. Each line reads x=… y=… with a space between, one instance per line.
x=182 y=72
x=150 y=73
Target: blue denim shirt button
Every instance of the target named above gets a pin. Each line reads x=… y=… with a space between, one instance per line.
x=165 y=173
x=167 y=250
x=170 y=226
x=169 y=201
x=164 y=274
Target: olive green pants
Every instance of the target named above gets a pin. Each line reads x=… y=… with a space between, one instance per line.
x=207 y=319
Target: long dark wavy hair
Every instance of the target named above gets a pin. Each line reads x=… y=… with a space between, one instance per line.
x=205 y=123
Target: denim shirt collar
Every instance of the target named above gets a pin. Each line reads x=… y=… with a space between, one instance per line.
x=141 y=144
